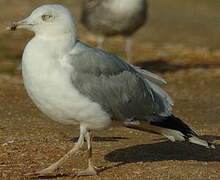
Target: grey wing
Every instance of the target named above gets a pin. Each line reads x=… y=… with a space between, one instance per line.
x=149 y=75
x=90 y=5
x=117 y=86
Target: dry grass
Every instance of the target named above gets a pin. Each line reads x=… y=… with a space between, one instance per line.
x=180 y=32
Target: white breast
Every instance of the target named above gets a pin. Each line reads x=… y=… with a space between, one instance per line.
x=49 y=85
x=124 y=6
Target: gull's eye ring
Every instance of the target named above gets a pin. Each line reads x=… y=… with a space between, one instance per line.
x=46 y=17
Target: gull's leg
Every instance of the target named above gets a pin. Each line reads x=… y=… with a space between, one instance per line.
x=100 y=41
x=19 y=66
x=91 y=168
x=55 y=165
x=128 y=48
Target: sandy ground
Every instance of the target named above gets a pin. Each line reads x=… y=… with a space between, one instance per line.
x=184 y=51
x=30 y=141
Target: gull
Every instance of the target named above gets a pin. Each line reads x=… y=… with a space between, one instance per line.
x=76 y=84
x=114 y=17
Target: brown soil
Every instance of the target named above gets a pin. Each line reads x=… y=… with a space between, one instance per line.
x=31 y=141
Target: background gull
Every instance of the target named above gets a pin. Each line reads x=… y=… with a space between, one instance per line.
x=114 y=17
x=74 y=83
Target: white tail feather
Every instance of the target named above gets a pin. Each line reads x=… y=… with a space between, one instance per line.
x=201 y=142
x=172 y=135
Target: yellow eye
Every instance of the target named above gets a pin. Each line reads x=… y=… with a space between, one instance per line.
x=46 y=17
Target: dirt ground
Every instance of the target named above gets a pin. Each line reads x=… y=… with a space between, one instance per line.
x=184 y=51
x=30 y=141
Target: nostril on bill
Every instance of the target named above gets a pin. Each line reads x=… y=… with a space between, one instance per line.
x=12 y=27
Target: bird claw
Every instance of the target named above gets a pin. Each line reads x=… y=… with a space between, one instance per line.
x=86 y=172
x=39 y=173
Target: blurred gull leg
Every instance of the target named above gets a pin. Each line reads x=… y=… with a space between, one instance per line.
x=128 y=49
x=100 y=41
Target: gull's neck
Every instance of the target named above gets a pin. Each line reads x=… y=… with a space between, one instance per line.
x=57 y=36
x=60 y=44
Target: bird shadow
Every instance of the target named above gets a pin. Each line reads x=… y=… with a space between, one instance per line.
x=98 y=138
x=162 y=66
x=51 y=176
x=159 y=151
x=164 y=151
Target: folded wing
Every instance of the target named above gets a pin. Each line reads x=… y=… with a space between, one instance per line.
x=121 y=89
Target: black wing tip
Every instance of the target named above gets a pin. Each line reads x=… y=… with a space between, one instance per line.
x=172 y=122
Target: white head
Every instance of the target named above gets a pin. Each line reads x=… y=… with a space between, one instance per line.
x=48 y=19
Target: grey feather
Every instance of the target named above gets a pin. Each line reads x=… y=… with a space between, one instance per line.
x=100 y=19
x=117 y=86
x=166 y=101
x=149 y=75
